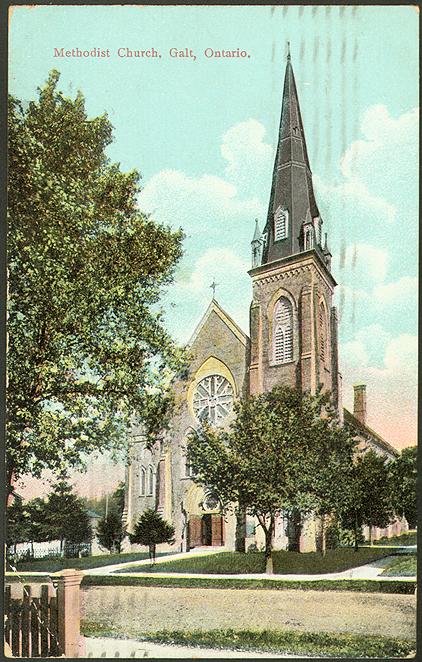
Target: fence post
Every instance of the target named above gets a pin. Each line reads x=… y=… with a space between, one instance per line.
x=67 y=583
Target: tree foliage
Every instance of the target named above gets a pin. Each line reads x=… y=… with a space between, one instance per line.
x=152 y=530
x=404 y=483
x=369 y=499
x=283 y=451
x=61 y=516
x=18 y=523
x=87 y=348
x=64 y=516
x=110 y=531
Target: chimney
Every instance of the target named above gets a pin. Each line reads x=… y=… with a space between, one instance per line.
x=359 y=405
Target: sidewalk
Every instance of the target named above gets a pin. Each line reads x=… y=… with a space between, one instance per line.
x=131 y=648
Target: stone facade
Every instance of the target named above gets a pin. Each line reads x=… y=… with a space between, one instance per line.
x=218 y=347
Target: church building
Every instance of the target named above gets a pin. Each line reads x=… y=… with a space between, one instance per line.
x=293 y=340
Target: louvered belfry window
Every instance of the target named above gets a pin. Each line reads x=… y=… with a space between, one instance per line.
x=281 y=219
x=283 y=331
x=322 y=333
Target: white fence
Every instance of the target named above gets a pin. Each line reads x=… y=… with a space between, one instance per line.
x=50 y=549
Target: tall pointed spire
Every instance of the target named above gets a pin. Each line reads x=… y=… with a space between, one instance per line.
x=292 y=189
x=257 y=233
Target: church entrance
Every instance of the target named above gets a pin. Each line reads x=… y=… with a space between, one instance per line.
x=205 y=531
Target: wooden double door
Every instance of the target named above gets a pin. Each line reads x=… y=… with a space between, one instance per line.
x=206 y=530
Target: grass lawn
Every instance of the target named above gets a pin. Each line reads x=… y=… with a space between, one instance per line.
x=410 y=538
x=401 y=567
x=53 y=565
x=403 y=586
x=232 y=563
x=281 y=641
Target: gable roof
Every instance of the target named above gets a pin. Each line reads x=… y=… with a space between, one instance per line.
x=366 y=430
x=215 y=307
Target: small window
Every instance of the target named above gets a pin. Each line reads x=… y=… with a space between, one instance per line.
x=143 y=481
x=281 y=220
x=283 y=331
x=150 y=481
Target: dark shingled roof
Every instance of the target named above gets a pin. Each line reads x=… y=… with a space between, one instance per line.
x=368 y=432
x=292 y=178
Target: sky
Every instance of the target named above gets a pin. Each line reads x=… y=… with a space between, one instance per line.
x=202 y=133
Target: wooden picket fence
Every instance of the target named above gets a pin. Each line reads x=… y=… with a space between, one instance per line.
x=43 y=620
x=31 y=626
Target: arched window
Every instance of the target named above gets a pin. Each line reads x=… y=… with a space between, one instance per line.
x=150 y=481
x=143 y=481
x=283 y=331
x=281 y=224
x=322 y=333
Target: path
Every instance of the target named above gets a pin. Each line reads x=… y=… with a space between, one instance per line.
x=127 y=648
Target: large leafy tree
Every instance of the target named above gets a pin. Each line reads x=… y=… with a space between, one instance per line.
x=368 y=499
x=87 y=348
x=279 y=451
x=152 y=530
x=404 y=483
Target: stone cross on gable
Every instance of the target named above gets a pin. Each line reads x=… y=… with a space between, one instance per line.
x=213 y=286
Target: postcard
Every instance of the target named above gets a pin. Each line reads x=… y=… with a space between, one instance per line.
x=212 y=331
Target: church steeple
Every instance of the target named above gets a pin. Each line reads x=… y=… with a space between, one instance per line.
x=293 y=324
x=292 y=197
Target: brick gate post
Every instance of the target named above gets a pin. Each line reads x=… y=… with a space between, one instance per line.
x=67 y=583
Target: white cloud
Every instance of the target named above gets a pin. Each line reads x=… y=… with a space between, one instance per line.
x=386 y=160
x=219 y=263
x=249 y=158
x=361 y=263
x=403 y=291
x=401 y=357
x=198 y=204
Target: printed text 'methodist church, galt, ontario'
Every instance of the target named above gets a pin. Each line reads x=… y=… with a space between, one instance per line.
x=293 y=340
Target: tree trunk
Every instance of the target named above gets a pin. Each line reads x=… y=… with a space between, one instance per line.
x=356 y=532
x=269 y=569
x=240 y=544
x=370 y=534
x=152 y=553
x=323 y=536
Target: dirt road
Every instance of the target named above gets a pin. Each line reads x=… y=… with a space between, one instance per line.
x=148 y=609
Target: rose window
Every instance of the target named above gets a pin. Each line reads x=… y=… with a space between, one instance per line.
x=213 y=399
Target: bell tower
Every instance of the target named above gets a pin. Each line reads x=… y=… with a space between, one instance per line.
x=293 y=323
